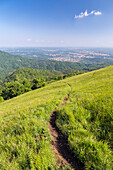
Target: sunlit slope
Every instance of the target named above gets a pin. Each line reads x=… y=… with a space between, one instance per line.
x=24 y=135
x=87 y=118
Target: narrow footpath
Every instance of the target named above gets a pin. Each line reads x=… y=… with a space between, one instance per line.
x=60 y=144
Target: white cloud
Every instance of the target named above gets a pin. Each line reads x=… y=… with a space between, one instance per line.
x=98 y=13
x=85 y=14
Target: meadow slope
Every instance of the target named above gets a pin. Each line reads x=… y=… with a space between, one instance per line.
x=24 y=134
x=86 y=120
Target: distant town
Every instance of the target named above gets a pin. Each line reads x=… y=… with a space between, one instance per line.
x=81 y=55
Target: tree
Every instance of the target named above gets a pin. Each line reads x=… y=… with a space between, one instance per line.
x=12 y=89
x=38 y=83
x=27 y=86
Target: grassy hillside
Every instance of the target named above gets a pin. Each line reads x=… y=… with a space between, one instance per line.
x=86 y=119
x=24 y=134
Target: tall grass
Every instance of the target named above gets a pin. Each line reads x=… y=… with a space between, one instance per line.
x=87 y=118
x=24 y=134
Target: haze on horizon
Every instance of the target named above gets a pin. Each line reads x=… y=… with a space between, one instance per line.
x=61 y=23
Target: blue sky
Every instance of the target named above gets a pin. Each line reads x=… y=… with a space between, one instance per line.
x=52 y=23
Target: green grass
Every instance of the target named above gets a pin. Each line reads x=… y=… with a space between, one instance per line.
x=86 y=119
x=24 y=135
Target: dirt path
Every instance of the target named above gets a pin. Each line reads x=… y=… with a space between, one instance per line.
x=60 y=145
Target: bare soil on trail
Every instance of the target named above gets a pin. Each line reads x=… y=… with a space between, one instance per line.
x=60 y=144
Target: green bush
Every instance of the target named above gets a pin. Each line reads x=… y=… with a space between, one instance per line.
x=1 y=99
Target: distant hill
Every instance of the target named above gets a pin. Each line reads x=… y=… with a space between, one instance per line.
x=9 y=63
x=30 y=74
